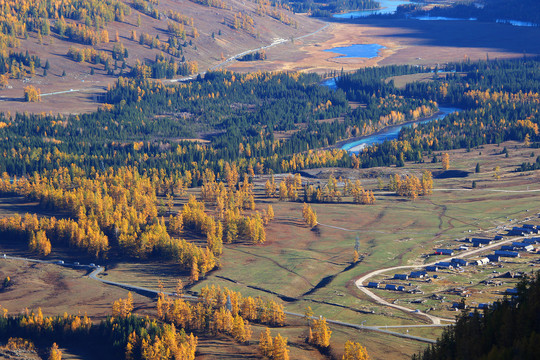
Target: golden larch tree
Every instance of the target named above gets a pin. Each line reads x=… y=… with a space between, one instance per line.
x=55 y=353
x=280 y=352
x=266 y=343
x=31 y=94
x=446 y=161
x=355 y=351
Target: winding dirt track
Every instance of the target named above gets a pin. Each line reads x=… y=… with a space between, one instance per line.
x=96 y=270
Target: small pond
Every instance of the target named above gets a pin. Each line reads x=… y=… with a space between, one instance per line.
x=357 y=51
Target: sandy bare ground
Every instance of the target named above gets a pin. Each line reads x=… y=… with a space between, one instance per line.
x=407 y=42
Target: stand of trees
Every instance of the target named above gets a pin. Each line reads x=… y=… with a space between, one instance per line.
x=122 y=337
x=220 y=311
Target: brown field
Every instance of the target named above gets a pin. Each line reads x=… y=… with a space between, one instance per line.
x=412 y=42
x=56 y=290
x=407 y=42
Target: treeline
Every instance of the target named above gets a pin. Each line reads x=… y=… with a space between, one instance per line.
x=120 y=209
x=508 y=330
x=225 y=98
x=292 y=189
x=18 y=18
x=89 y=55
x=220 y=310
x=526 y=166
x=276 y=11
x=16 y=65
x=146 y=7
x=119 y=337
x=499 y=102
x=220 y=4
x=121 y=206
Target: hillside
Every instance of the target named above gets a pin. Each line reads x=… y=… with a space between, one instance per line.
x=84 y=47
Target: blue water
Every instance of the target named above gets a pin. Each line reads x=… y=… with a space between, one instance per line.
x=387 y=7
x=442 y=18
x=517 y=23
x=391 y=133
x=390 y=7
x=330 y=83
x=357 y=51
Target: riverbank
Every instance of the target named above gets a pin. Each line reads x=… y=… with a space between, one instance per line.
x=356 y=144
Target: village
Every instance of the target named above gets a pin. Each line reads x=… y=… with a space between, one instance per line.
x=465 y=278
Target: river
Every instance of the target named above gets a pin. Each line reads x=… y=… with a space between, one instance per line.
x=388 y=133
x=392 y=132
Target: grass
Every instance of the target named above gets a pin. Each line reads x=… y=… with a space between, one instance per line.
x=295 y=259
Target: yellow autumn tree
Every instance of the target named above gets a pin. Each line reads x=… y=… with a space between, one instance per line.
x=310 y=216
x=55 y=353
x=123 y=307
x=320 y=333
x=446 y=161
x=427 y=182
x=280 y=352
x=266 y=343
x=31 y=94
x=355 y=351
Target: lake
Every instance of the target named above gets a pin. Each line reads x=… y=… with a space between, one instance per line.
x=441 y=18
x=390 y=7
x=387 y=7
x=391 y=132
x=357 y=51
x=517 y=23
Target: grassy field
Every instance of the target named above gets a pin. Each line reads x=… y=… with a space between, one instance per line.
x=313 y=267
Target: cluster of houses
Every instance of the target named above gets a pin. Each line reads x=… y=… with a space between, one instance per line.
x=517 y=247
x=509 y=251
x=525 y=229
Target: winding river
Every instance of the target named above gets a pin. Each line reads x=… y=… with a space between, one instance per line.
x=388 y=133
x=392 y=132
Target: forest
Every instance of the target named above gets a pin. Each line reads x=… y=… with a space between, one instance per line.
x=130 y=147
x=509 y=329
x=240 y=114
